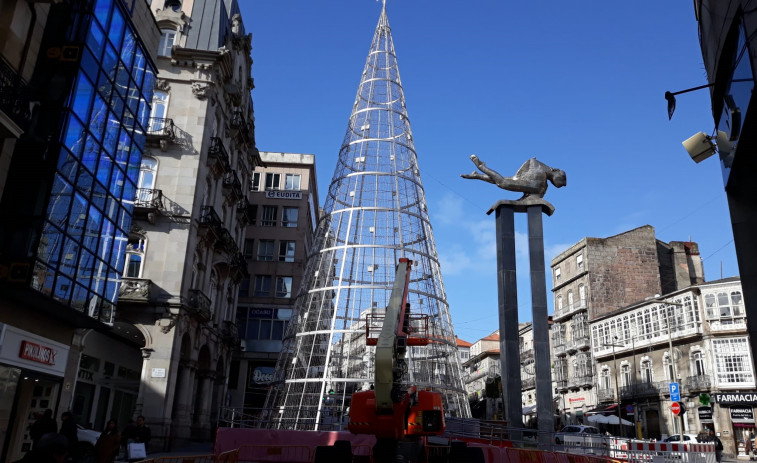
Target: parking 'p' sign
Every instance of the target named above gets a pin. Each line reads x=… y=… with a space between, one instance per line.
x=675 y=392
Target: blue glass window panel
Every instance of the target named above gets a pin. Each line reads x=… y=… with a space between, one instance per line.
x=96 y=41
x=69 y=258
x=117 y=105
x=79 y=298
x=111 y=209
x=90 y=154
x=99 y=118
x=85 y=182
x=92 y=227
x=133 y=101
x=117 y=25
x=82 y=103
x=118 y=256
x=89 y=65
x=138 y=71
x=73 y=139
x=104 y=86
x=63 y=289
x=124 y=147
x=135 y=160
x=117 y=183
x=111 y=291
x=124 y=219
x=128 y=48
x=68 y=166
x=60 y=201
x=139 y=140
x=42 y=279
x=103 y=171
x=132 y=172
x=144 y=112
x=102 y=11
x=130 y=191
x=110 y=140
x=110 y=62
x=128 y=120
x=149 y=84
x=99 y=196
x=50 y=245
x=122 y=80
x=106 y=240
x=86 y=267
x=99 y=276
x=77 y=220
x=129 y=206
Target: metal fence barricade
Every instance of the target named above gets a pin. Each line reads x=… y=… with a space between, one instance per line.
x=659 y=452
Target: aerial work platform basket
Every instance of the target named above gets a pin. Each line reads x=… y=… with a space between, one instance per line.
x=416 y=329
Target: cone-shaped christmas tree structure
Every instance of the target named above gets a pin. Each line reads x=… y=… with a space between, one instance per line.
x=375 y=213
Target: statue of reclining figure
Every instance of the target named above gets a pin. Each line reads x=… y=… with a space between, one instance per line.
x=531 y=178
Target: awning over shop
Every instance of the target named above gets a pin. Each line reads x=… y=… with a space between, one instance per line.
x=612 y=408
x=529 y=410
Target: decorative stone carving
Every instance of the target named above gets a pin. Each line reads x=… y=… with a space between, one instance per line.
x=167 y=324
x=162 y=84
x=147 y=352
x=530 y=179
x=200 y=90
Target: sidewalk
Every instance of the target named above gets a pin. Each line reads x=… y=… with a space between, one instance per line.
x=197 y=448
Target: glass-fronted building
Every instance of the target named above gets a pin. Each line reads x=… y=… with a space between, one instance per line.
x=66 y=235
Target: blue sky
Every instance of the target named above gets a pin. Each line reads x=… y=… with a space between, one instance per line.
x=578 y=86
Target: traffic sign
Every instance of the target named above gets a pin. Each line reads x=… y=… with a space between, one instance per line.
x=629 y=408
x=675 y=392
x=676 y=408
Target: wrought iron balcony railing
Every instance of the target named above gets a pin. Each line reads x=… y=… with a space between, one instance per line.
x=239 y=122
x=528 y=383
x=605 y=395
x=161 y=127
x=199 y=304
x=231 y=182
x=244 y=211
x=209 y=217
x=526 y=354
x=148 y=198
x=14 y=95
x=698 y=383
x=239 y=264
x=217 y=154
x=230 y=333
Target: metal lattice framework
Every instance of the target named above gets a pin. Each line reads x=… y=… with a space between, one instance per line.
x=375 y=213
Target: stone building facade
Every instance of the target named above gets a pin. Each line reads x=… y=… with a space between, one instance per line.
x=184 y=260
x=595 y=276
x=278 y=241
x=695 y=337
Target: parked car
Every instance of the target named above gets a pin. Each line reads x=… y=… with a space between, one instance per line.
x=575 y=430
x=690 y=438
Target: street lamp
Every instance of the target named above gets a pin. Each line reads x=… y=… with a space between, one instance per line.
x=670 y=353
x=617 y=389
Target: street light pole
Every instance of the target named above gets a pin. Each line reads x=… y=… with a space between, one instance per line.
x=617 y=387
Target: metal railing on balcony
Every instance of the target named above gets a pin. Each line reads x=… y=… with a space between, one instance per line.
x=526 y=354
x=605 y=395
x=135 y=290
x=528 y=383
x=209 y=217
x=560 y=348
x=231 y=182
x=217 y=154
x=230 y=333
x=244 y=211
x=199 y=304
x=239 y=122
x=566 y=310
x=239 y=264
x=14 y=95
x=161 y=127
x=698 y=383
x=148 y=198
x=562 y=384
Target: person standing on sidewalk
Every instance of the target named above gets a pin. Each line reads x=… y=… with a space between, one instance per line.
x=718 y=445
x=749 y=446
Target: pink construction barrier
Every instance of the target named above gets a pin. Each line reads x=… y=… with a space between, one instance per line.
x=234 y=438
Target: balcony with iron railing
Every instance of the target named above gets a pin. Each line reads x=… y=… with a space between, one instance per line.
x=209 y=218
x=569 y=309
x=160 y=130
x=562 y=385
x=526 y=354
x=698 y=383
x=559 y=347
x=528 y=383
x=149 y=199
x=135 y=290
x=239 y=122
x=244 y=211
x=581 y=381
x=230 y=333
x=605 y=395
x=232 y=185
x=198 y=304
x=643 y=389
x=238 y=265
x=218 y=157
x=14 y=101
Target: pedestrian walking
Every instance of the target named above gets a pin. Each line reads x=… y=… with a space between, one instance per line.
x=108 y=443
x=749 y=446
x=44 y=424
x=718 y=445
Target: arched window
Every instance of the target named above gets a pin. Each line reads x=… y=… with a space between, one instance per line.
x=559 y=302
x=646 y=371
x=697 y=363
x=135 y=256
x=570 y=300
x=668 y=367
x=604 y=379
x=625 y=374
x=582 y=295
x=213 y=290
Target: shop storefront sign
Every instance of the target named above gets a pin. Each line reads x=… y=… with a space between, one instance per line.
x=734 y=398
x=261 y=376
x=283 y=194
x=575 y=399
x=705 y=414
x=23 y=349
x=742 y=415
